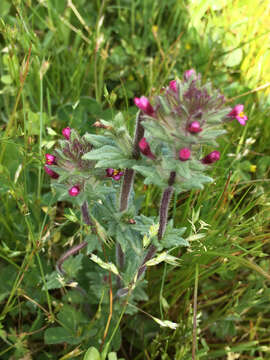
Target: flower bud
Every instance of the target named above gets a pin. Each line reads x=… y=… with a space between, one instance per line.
x=184 y=154
x=145 y=149
x=211 y=158
x=194 y=127
x=173 y=85
x=50 y=159
x=189 y=73
x=74 y=191
x=143 y=104
x=51 y=173
x=66 y=132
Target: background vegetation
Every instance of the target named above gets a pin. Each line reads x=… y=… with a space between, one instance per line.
x=67 y=63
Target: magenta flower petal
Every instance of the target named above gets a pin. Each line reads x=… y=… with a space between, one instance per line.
x=66 y=132
x=50 y=159
x=51 y=173
x=74 y=191
x=118 y=176
x=189 y=73
x=184 y=154
x=238 y=113
x=114 y=173
x=143 y=104
x=173 y=85
x=145 y=149
x=109 y=172
x=194 y=127
x=211 y=158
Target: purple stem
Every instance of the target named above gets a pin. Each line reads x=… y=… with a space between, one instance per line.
x=76 y=248
x=67 y=254
x=126 y=188
x=139 y=132
x=130 y=173
x=127 y=184
x=163 y=217
x=150 y=254
x=164 y=206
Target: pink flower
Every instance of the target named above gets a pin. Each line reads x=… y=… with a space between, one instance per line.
x=74 y=191
x=50 y=159
x=238 y=113
x=189 y=73
x=51 y=173
x=66 y=132
x=184 y=154
x=173 y=85
x=114 y=173
x=144 y=104
x=194 y=127
x=211 y=158
x=145 y=149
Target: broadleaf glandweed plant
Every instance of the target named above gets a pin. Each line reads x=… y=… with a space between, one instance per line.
x=173 y=146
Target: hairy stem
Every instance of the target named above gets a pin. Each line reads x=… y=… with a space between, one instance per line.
x=149 y=255
x=126 y=188
x=76 y=248
x=164 y=206
x=67 y=254
x=85 y=215
x=139 y=132
x=129 y=173
x=127 y=185
x=163 y=217
x=120 y=260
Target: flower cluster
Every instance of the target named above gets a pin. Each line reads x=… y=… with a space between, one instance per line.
x=187 y=113
x=69 y=160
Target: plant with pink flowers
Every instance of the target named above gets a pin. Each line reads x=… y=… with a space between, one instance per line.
x=173 y=146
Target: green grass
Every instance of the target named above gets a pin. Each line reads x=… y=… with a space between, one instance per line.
x=72 y=65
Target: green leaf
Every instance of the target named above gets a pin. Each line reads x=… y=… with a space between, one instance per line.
x=164 y=256
x=172 y=237
x=112 y=356
x=92 y=354
x=98 y=140
x=121 y=238
x=107 y=266
x=165 y=323
x=151 y=175
x=109 y=156
x=105 y=152
x=156 y=130
x=58 y=335
x=234 y=58
x=73 y=264
x=54 y=281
